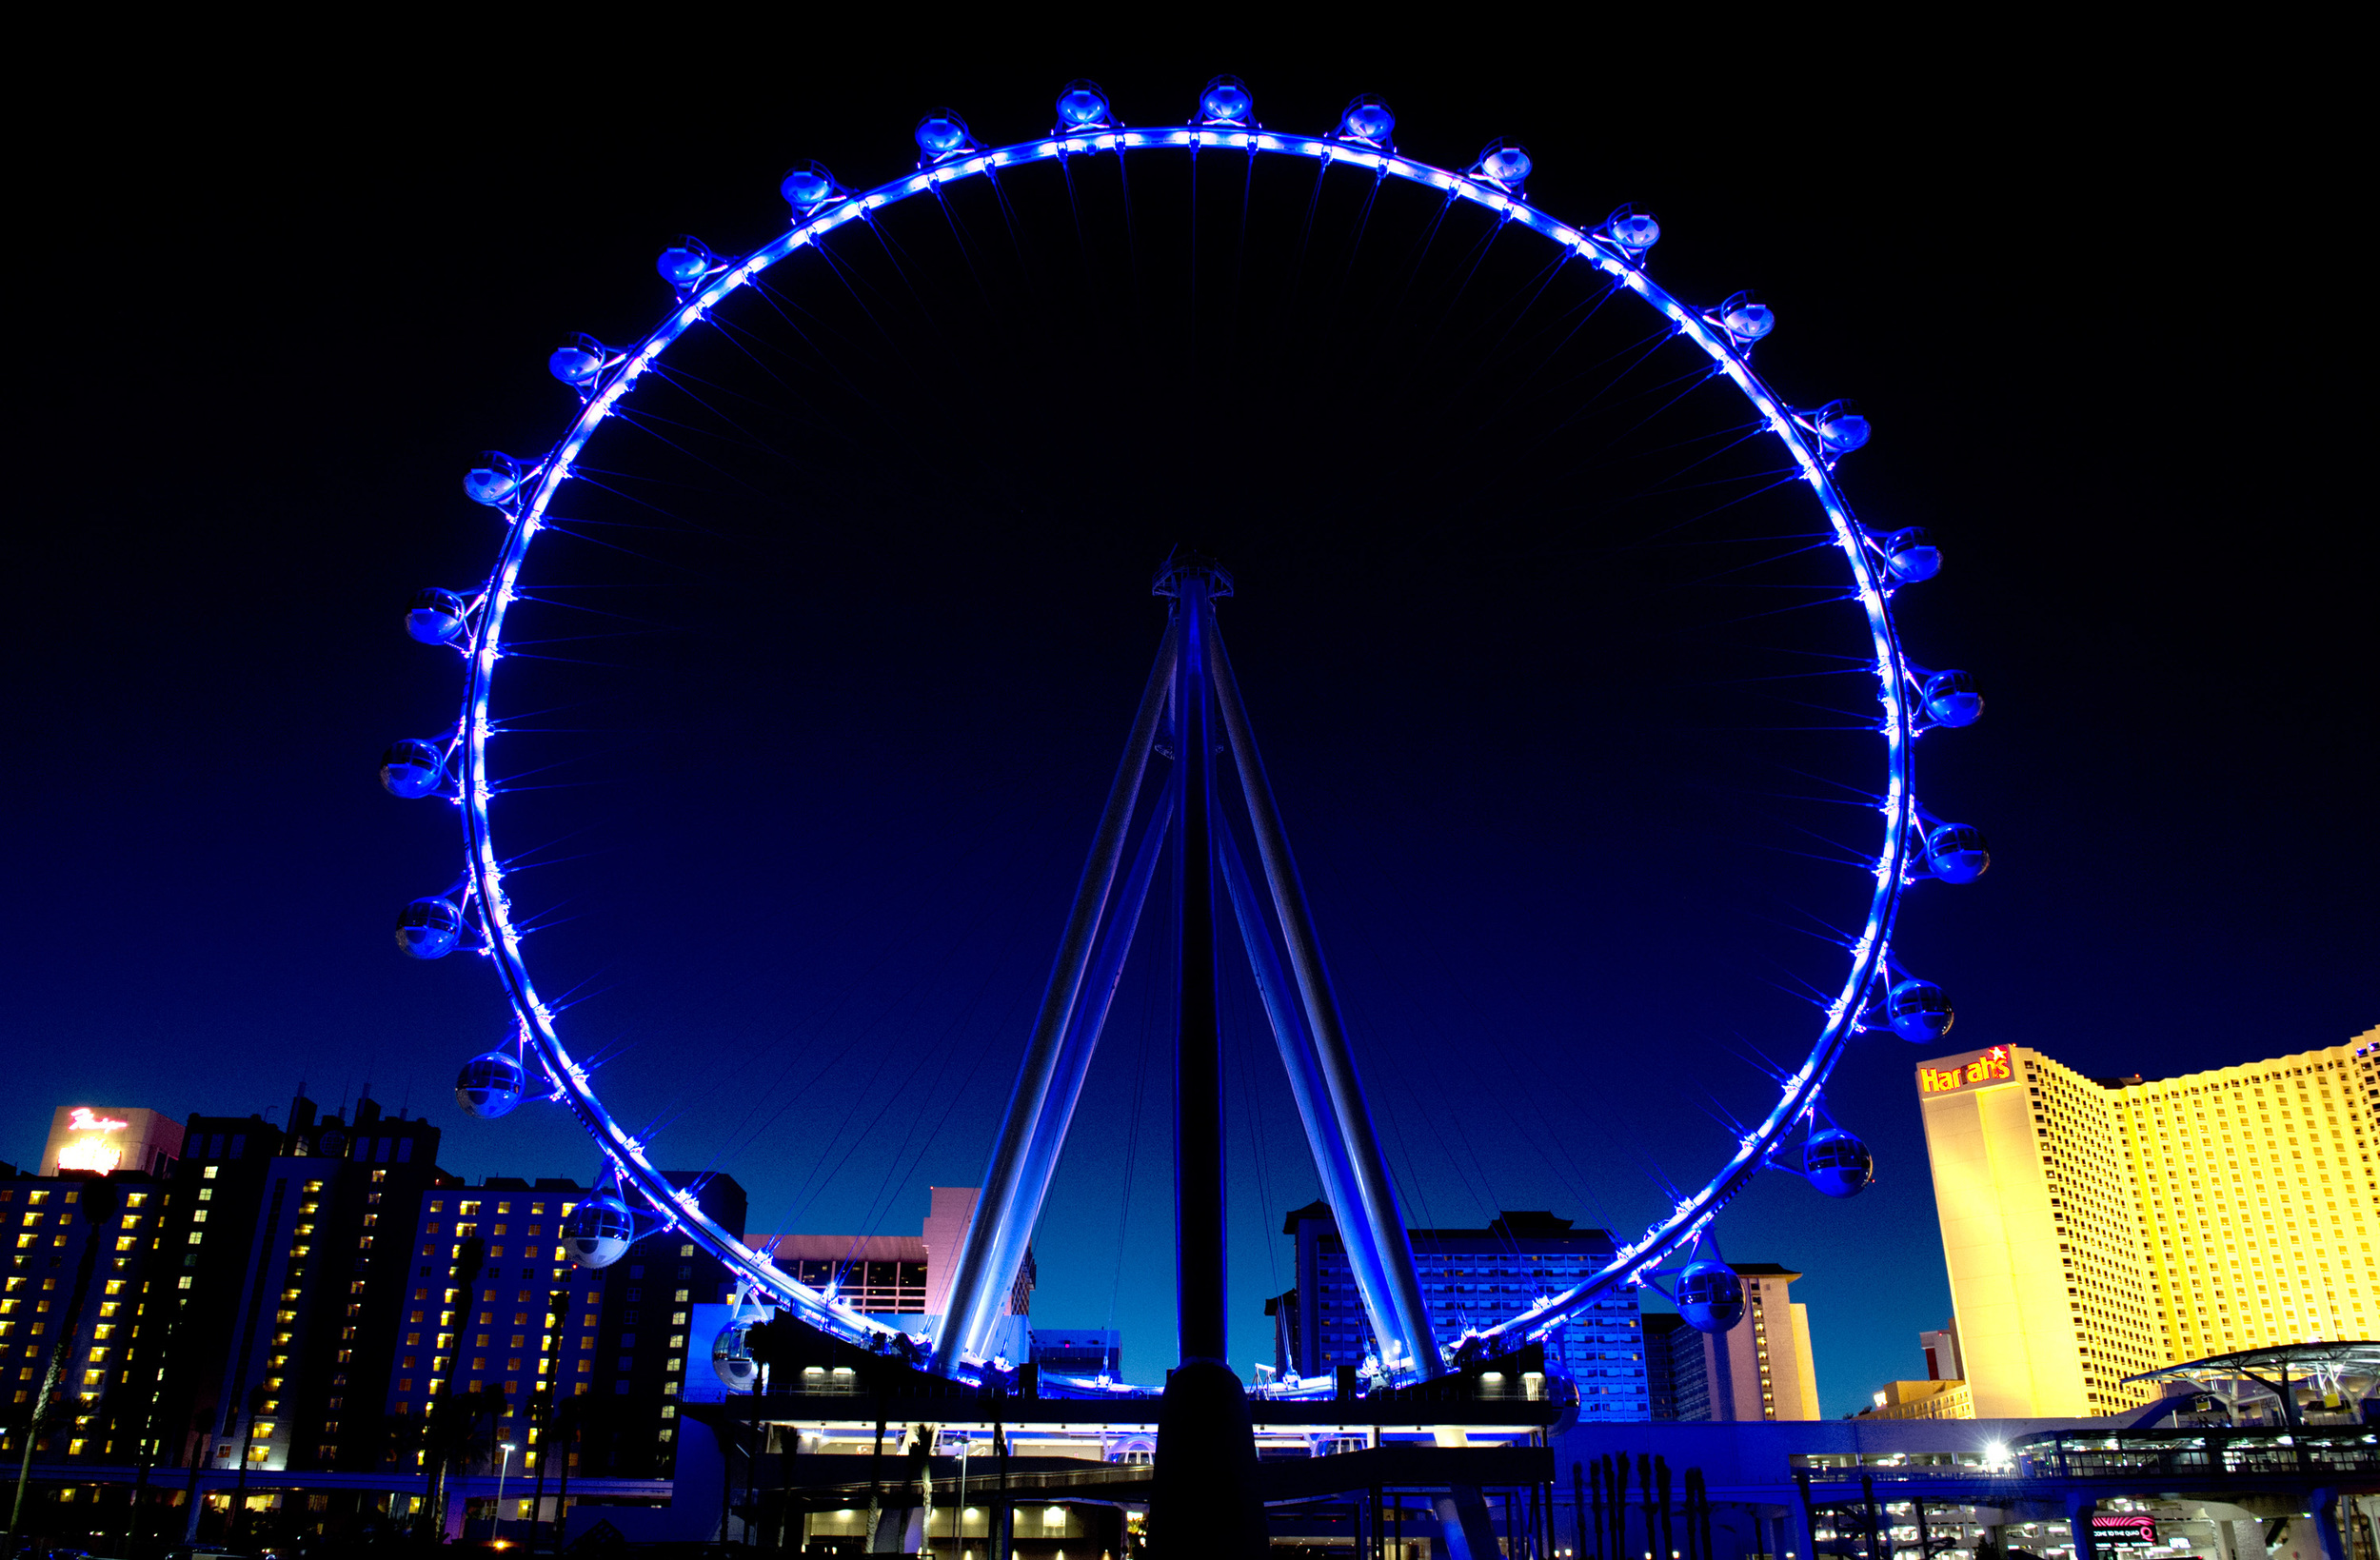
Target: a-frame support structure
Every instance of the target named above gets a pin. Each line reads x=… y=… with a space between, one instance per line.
x=1191 y=690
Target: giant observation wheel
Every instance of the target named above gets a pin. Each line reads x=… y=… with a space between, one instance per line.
x=1904 y=844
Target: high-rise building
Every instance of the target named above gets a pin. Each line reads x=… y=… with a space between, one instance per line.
x=288 y=1298
x=1941 y=1350
x=624 y=1342
x=247 y=1282
x=1759 y=1369
x=1677 y=1373
x=1471 y=1278
x=1762 y=1368
x=295 y=1244
x=2095 y=1229
x=86 y=1291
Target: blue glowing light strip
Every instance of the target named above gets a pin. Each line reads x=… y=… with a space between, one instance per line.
x=1690 y=1215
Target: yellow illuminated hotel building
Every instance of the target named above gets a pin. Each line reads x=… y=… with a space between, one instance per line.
x=2098 y=1228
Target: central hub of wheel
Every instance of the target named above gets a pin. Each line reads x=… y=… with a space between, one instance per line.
x=1184 y=564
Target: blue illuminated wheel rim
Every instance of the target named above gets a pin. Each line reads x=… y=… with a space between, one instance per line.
x=1875 y=567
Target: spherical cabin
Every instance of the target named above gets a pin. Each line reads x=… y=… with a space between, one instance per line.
x=1710 y=1296
x=1839 y=428
x=1505 y=165
x=493 y=484
x=412 y=769
x=491 y=1084
x=1951 y=699
x=806 y=189
x=577 y=364
x=1837 y=1163
x=1920 y=1011
x=681 y=267
x=1634 y=232
x=436 y=616
x=1081 y=107
x=1957 y=854
x=737 y=1370
x=1910 y=554
x=1225 y=102
x=942 y=134
x=429 y=928
x=1367 y=119
x=598 y=1232
x=1745 y=320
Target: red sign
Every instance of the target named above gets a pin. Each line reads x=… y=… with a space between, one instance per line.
x=2123 y=1529
x=1952 y=1072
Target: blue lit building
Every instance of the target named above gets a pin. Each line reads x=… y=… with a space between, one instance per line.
x=1472 y=1278
x=1676 y=1368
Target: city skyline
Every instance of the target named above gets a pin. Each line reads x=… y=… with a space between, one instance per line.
x=2152 y=893
x=1980 y=1187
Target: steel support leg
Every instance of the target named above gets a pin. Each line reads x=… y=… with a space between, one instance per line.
x=1091 y=1008
x=1390 y=1289
x=1200 y=1271
x=1005 y=1212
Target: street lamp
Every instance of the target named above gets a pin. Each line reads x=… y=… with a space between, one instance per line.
x=495 y=1521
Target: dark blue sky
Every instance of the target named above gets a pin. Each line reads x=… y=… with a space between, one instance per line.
x=281 y=310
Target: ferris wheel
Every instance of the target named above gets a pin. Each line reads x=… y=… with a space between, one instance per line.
x=1663 y=386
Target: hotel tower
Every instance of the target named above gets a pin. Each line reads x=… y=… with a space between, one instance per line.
x=2096 y=1227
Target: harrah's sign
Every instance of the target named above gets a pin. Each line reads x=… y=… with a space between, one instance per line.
x=1955 y=1073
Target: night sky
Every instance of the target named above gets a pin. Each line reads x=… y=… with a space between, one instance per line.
x=813 y=824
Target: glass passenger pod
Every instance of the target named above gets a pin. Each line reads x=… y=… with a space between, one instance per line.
x=598 y=1232
x=1710 y=1296
x=496 y=481
x=1744 y=319
x=1633 y=230
x=1837 y=1163
x=732 y=1360
x=429 y=928
x=1839 y=427
x=1910 y=554
x=1951 y=698
x=1504 y=165
x=686 y=264
x=491 y=1084
x=1956 y=853
x=732 y=1357
x=436 y=616
x=808 y=188
x=1081 y=107
x=1367 y=121
x=412 y=768
x=1920 y=1011
x=580 y=363
x=943 y=135
x=1226 y=104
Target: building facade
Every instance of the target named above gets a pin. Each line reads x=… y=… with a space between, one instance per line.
x=1677 y=1376
x=1080 y=1351
x=1940 y=1349
x=611 y=1346
x=288 y=1298
x=904 y=1278
x=242 y=1302
x=1929 y=1399
x=1762 y=1368
x=2095 y=1229
x=1472 y=1279
x=102 y=1140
